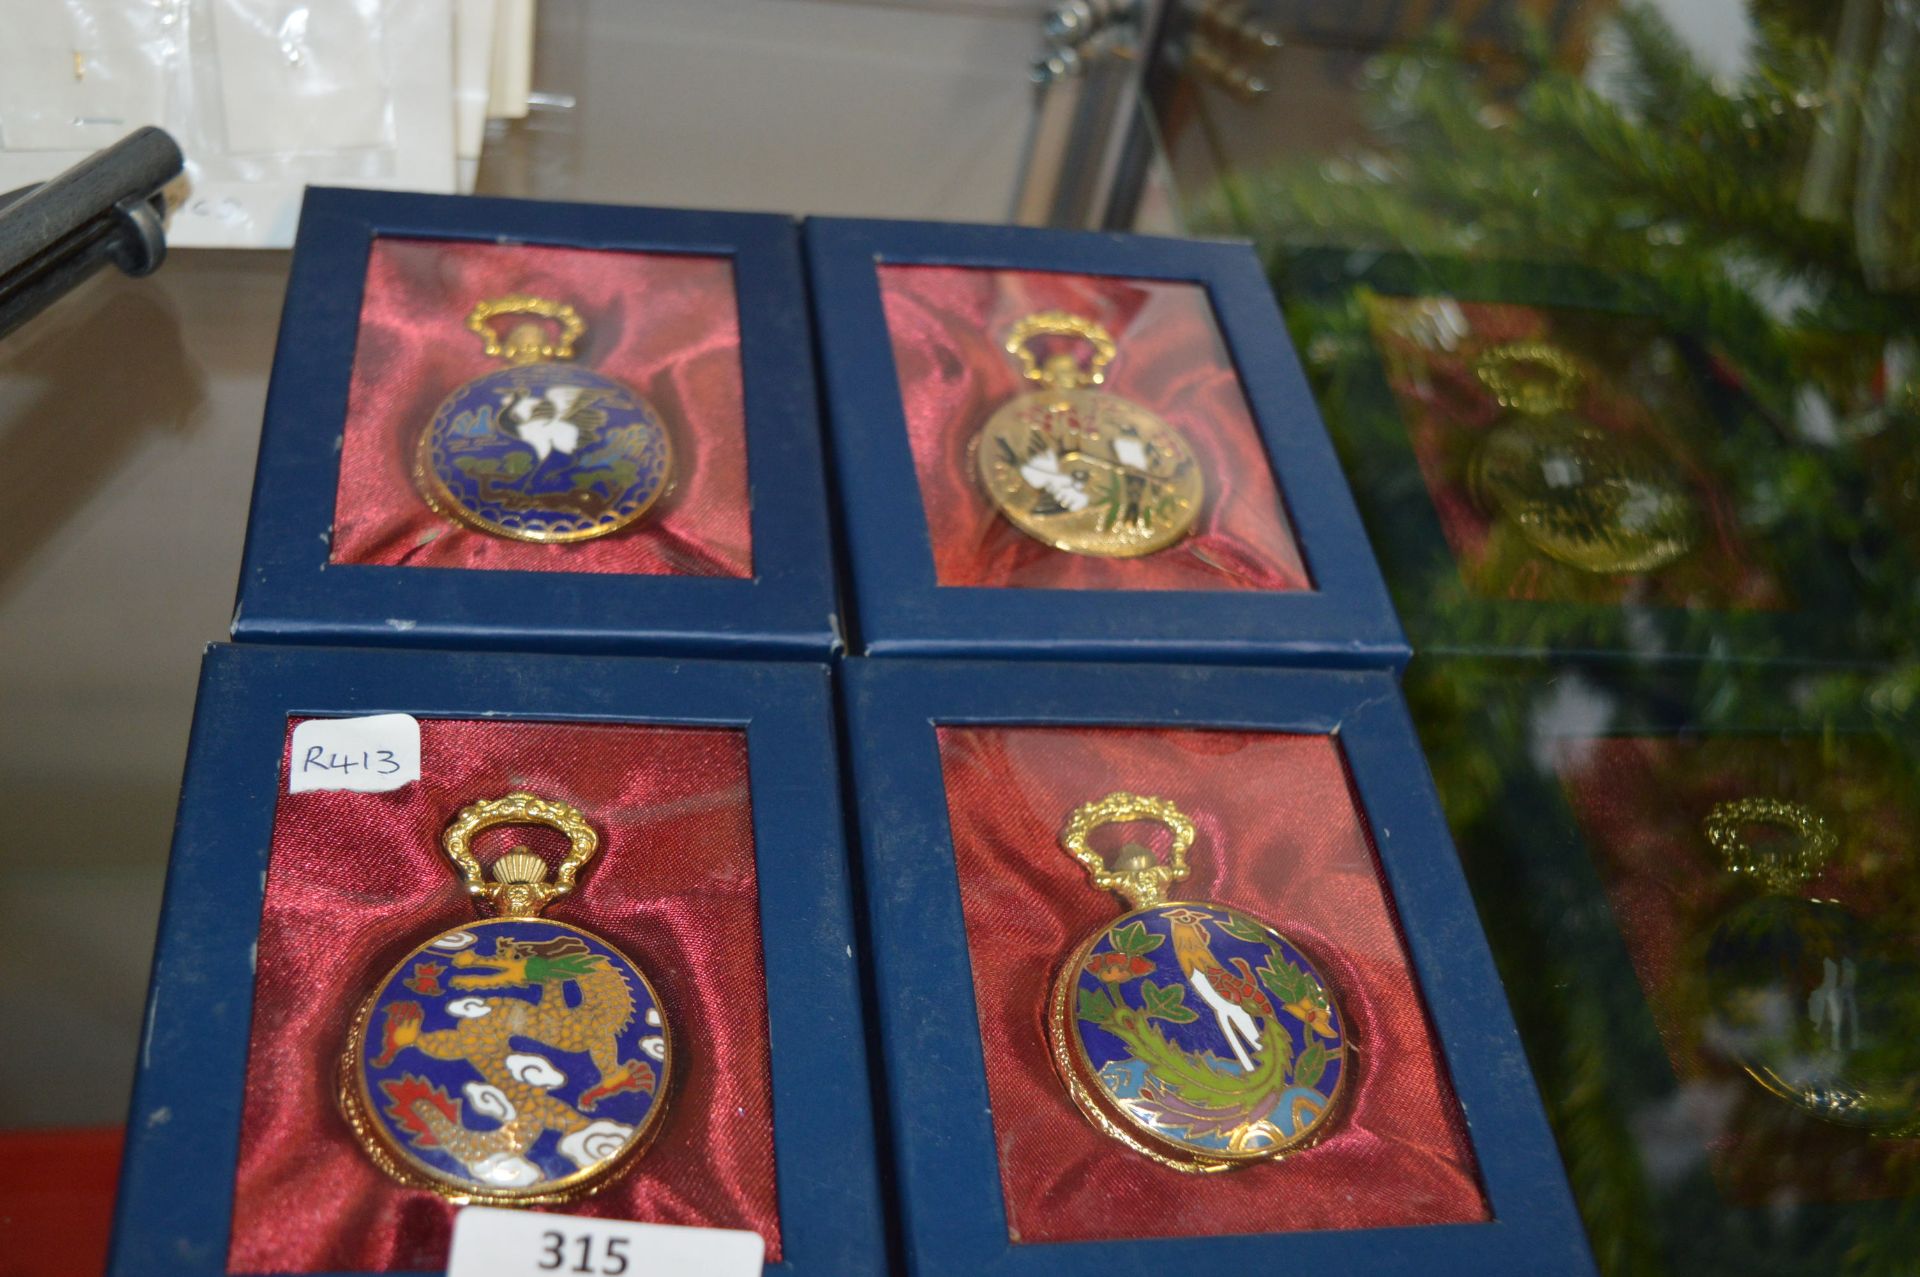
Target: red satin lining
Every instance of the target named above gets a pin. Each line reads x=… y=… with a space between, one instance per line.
x=666 y=324
x=1639 y=802
x=356 y=880
x=1279 y=836
x=947 y=323
x=1448 y=411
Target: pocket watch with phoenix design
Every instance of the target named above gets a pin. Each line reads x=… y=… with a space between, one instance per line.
x=1818 y=1005
x=1580 y=494
x=1189 y=1030
x=543 y=450
x=1078 y=468
x=513 y=1060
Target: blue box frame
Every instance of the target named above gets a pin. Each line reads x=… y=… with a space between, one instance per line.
x=1345 y=620
x=954 y=1219
x=183 y=1132
x=289 y=592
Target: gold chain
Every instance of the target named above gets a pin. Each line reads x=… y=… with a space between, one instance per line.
x=1061 y=372
x=519 y=889
x=526 y=343
x=1142 y=886
x=1532 y=377
x=1777 y=870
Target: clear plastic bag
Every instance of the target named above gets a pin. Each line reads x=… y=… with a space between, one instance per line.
x=264 y=97
x=77 y=76
x=293 y=84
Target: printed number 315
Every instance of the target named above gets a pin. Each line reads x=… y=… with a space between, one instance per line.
x=555 y=1248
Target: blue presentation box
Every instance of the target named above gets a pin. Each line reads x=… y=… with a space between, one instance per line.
x=1343 y=617
x=176 y=1199
x=291 y=590
x=953 y=1206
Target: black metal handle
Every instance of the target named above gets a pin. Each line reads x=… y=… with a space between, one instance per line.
x=106 y=208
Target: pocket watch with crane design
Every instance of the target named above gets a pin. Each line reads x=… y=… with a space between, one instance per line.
x=1078 y=468
x=1189 y=1030
x=513 y=1060
x=545 y=449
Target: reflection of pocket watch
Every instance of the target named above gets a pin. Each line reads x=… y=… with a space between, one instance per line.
x=1584 y=496
x=1818 y=1006
x=542 y=450
x=511 y=1060
x=1188 y=1030
x=1083 y=470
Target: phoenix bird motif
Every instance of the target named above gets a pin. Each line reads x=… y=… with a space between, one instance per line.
x=1231 y=993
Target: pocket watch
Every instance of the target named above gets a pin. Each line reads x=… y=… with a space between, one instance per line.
x=1582 y=495
x=513 y=1060
x=1189 y=1030
x=544 y=449
x=1080 y=469
x=1819 y=1006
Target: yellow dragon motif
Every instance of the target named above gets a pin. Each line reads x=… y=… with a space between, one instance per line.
x=518 y=1086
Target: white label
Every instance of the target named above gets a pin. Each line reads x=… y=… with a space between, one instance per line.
x=489 y=1242
x=367 y=755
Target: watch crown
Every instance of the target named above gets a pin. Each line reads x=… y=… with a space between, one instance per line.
x=520 y=865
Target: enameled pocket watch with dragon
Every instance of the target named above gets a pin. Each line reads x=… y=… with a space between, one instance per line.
x=543 y=450
x=1080 y=469
x=513 y=1060
x=1189 y=1030
x=1582 y=495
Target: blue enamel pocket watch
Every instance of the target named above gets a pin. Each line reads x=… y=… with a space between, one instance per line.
x=1188 y=1030
x=543 y=450
x=513 y=1060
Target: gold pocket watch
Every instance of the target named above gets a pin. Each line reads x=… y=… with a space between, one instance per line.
x=1580 y=494
x=1078 y=468
x=513 y=1060
x=1189 y=1030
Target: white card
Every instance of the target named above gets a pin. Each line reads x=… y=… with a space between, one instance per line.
x=512 y=75
x=489 y=1242
x=369 y=755
x=473 y=23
